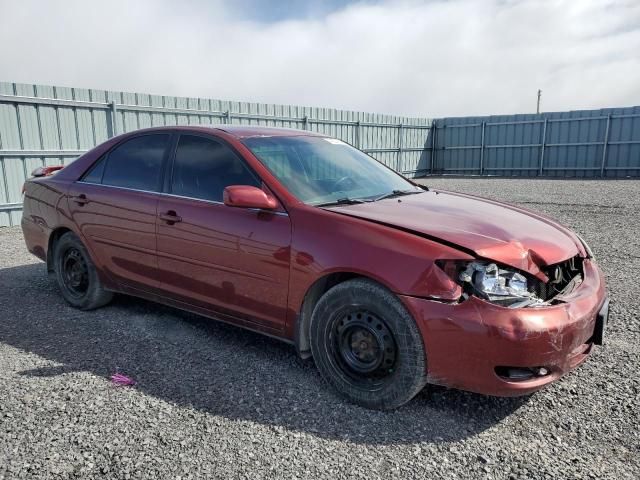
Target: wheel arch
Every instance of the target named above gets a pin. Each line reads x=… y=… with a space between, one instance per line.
x=53 y=238
x=311 y=298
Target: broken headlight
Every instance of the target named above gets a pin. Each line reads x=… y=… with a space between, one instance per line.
x=494 y=283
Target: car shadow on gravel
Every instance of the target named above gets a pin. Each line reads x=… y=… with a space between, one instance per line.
x=222 y=370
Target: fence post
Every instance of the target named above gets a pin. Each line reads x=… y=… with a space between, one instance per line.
x=604 y=146
x=6 y=188
x=482 y=149
x=114 y=121
x=434 y=128
x=400 y=151
x=358 y=134
x=544 y=140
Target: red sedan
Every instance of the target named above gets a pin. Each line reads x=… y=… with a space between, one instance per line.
x=388 y=285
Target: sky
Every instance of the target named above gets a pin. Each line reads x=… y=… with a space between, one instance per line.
x=430 y=58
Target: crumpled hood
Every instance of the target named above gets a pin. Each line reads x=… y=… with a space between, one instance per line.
x=493 y=230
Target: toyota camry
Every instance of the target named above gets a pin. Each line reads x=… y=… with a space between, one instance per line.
x=386 y=284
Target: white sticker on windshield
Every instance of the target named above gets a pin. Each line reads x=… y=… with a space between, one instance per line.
x=335 y=141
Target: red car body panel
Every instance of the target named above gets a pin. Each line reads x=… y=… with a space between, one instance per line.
x=255 y=268
x=226 y=258
x=120 y=231
x=490 y=229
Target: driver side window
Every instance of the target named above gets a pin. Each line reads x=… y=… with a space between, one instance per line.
x=203 y=167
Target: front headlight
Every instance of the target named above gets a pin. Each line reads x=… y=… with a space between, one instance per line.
x=494 y=283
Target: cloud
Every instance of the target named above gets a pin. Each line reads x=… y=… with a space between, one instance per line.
x=429 y=58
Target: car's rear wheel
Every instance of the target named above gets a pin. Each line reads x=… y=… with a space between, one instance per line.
x=76 y=274
x=367 y=346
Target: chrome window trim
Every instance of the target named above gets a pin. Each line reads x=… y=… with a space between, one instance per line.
x=171 y=195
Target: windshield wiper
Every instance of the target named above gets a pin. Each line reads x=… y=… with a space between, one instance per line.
x=397 y=193
x=341 y=201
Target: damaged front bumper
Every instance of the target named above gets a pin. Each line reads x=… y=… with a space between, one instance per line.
x=486 y=348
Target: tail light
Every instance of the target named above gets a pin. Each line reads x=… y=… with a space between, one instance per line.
x=46 y=171
x=43 y=172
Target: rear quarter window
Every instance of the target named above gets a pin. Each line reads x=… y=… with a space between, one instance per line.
x=94 y=175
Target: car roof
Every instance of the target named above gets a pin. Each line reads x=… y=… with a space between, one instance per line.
x=238 y=131
x=246 y=131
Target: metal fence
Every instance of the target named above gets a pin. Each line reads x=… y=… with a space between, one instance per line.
x=45 y=125
x=587 y=143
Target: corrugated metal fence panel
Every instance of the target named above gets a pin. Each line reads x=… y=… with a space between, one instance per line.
x=586 y=144
x=57 y=124
x=624 y=142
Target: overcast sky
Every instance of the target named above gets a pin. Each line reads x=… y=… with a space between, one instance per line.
x=417 y=58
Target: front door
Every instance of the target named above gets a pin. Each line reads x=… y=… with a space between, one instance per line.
x=232 y=261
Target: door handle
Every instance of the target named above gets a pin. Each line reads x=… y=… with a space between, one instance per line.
x=170 y=217
x=80 y=199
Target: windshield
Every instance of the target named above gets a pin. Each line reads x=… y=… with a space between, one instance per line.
x=320 y=170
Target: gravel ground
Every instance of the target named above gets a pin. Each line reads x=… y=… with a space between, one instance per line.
x=215 y=401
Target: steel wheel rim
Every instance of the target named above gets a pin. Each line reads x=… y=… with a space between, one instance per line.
x=364 y=347
x=75 y=272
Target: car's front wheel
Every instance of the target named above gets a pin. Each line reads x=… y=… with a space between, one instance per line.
x=367 y=346
x=76 y=274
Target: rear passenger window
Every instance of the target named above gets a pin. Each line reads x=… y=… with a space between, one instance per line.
x=137 y=163
x=203 y=168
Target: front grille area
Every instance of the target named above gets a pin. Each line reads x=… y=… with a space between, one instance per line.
x=562 y=276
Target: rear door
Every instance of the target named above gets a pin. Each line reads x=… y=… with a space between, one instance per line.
x=232 y=261
x=115 y=208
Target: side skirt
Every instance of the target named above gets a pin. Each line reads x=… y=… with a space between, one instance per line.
x=217 y=316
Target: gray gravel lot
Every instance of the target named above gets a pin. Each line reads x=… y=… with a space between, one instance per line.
x=214 y=401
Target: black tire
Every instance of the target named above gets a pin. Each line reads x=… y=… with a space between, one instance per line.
x=76 y=274
x=367 y=346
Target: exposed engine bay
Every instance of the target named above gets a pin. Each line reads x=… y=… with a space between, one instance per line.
x=510 y=288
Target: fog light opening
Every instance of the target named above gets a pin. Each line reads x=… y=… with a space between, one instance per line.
x=541 y=371
x=519 y=374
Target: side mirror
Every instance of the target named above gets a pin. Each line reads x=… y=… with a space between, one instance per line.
x=245 y=196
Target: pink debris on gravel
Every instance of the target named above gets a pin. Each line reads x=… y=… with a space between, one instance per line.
x=122 y=380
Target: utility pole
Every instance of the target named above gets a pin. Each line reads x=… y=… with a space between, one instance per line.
x=538 y=106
